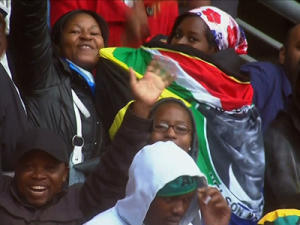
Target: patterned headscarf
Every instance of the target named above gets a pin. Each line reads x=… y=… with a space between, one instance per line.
x=224 y=28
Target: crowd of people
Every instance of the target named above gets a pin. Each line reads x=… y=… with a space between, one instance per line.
x=142 y=112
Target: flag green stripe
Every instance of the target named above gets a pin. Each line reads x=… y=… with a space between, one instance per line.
x=287 y=220
x=137 y=59
x=203 y=160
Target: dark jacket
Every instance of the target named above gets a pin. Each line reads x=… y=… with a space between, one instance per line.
x=45 y=81
x=271 y=89
x=282 y=147
x=13 y=121
x=80 y=202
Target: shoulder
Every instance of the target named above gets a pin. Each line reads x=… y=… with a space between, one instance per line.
x=280 y=134
x=109 y=216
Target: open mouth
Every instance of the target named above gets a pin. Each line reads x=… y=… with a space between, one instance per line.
x=173 y=222
x=85 y=46
x=37 y=190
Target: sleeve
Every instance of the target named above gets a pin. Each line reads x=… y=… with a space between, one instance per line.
x=107 y=183
x=261 y=81
x=30 y=47
x=281 y=176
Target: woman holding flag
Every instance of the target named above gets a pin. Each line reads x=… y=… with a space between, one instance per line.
x=203 y=51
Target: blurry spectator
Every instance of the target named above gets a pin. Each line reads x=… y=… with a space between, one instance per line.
x=282 y=147
x=55 y=76
x=162 y=190
x=12 y=114
x=272 y=82
x=144 y=19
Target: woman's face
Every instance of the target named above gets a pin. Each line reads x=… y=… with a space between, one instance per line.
x=81 y=41
x=191 y=31
x=171 y=122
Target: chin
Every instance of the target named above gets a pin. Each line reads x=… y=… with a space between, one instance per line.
x=88 y=63
x=38 y=203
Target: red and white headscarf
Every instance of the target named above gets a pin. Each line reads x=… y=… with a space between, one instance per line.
x=224 y=28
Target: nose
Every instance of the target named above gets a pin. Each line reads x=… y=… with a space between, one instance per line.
x=85 y=35
x=38 y=173
x=178 y=208
x=171 y=133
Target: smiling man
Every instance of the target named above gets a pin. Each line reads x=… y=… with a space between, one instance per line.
x=41 y=168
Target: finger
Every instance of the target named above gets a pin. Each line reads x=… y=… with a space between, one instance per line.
x=203 y=196
x=132 y=76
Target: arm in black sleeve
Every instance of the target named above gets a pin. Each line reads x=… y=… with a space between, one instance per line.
x=107 y=183
x=30 y=48
x=281 y=176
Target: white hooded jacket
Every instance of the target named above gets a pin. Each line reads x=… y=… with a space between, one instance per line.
x=152 y=168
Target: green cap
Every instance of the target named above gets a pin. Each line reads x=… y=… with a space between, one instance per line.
x=180 y=186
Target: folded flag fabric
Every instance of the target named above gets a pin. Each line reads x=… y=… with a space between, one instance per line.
x=281 y=217
x=231 y=152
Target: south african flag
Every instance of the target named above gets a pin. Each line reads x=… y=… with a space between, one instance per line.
x=231 y=152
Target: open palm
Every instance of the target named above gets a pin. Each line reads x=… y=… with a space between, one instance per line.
x=149 y=88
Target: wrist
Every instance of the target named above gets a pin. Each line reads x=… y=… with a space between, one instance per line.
x=141 y=109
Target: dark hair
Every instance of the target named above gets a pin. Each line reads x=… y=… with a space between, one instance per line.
x=64 y=19
x=209 y=36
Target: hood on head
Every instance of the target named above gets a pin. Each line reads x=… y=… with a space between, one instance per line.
x=152 y=168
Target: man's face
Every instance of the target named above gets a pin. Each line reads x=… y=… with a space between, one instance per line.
x=290 y=55
x=168 y=210
x=40 y=177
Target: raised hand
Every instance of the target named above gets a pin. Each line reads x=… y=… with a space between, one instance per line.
x=136 y=29
x=214 y=208
x=147 y=90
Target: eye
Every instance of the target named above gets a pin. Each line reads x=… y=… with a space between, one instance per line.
x=95 y=33
x=192 y=39
x=167 y=199
x=181 y=128
x=74 y=31
x=162 y=126
x=27 y=167
x=298 y=46
x=177 y=35
x=51 y=167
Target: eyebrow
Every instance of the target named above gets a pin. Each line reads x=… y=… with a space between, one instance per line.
x=93 y=26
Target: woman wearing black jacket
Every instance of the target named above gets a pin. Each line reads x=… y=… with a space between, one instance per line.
x=54 y=74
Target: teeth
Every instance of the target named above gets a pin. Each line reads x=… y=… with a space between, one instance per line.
x=85 y=46
x=38 y=188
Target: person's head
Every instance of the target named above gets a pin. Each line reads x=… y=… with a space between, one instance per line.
x=289 y=55
x=161 y=185
x=40 y=166
x=208 y=29
x=173 y=121
x=79 y=35
x=172 y=202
